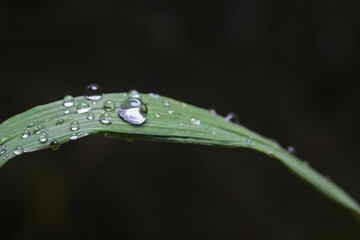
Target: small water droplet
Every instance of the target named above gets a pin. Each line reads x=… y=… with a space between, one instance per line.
x=181 y=124
x=232 y=117
x=154 y=95
x=183 y=104
x=83 y=107
x=38 y=129
x=271 y=154
x=3 y=150
x=30 y=125
x=249 y=141
x=133 y=111
x=74 y=125
x=67 y=111
x=25 y=134
x=74 y=136
x=133 y=94
x=195 y=121
x=170 y=111
x=214 y=133
x=18 y=150
x=68 y=101
x=43 y=137
x=290 y=149
x=54 y=145
x=105 y=118
x=6 y=157
x=59 y=121
x=157 y=115
x=90 y=116
x=213 y=112
x=166 y=103
x=109 y=105
x=93 y=92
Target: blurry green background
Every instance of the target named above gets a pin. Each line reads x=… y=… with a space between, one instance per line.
x=287 y=68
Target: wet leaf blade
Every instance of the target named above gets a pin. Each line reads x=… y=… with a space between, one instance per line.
x=165 y=122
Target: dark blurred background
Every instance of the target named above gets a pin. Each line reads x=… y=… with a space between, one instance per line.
x=287 y=68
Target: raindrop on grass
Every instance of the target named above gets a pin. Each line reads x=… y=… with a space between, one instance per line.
x=54 y=145
x=133 y=111
x=105 y=118
x=18 y=150
x=133 y=94
x=195 y=121
x=43 y=137
x=38 y=129
x=83 y=107
x=90 y=116
x=93 y=92
x=232 y=117
x=67 y=111
x=30 y=125
x=157 y=115
x=271 y=154
x=74 y=125
x=6 y=157
x=68 y=101
x=290 y=149
x=183 y=104
x=59 y=121
x=213 y=112
x=3 y=149
x=74 y=136
x=154 y=95
x=25 y=134
x=166 y=103
x=109 y=105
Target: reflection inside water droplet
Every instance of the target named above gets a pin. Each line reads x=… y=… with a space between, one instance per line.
x=166 y=103
x=133 y=111
x=59 y=121
x=68 y=101
x=25 y=134
x=93 y=92
x=133 y=94
x=109 y=105
x=105 y=118
x=3 y=149
x=54 y=145
x=30 y=125
x=83 y=107
x=74 y=136
x=74 y=125
x=194 y=121
x=90 y=116
x=18 y=150
x=38 y=129
x=43 y=137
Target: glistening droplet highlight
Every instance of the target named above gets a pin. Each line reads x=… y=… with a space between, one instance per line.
x=93 y=92
x=133 y=111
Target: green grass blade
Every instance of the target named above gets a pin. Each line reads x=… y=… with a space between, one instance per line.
x=165 y=122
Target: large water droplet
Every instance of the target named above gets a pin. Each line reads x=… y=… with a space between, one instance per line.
x=18 y=150
x=90 y=116
x=105 y=118
x=74 y=136
x=194 y=121
x=25 y=134
x=74 y=125
x=59 y=121
x=232 y=117
x=30 y=125
x=83 y=107
x=133 y=111
x=133 y=94
x=38 y=129
x=43 y=137
x=3 y=149
x=54 y=145
x=68 y=101
x=109 y=105
x=93 y=92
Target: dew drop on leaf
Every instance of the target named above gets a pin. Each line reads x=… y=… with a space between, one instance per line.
x=133 y=111
x=25 y=134
x=74 y=125
x=157 y=115
x=213 y=112
x=290 y=149
x=83 y=107
x=38 y=129
x=59 y=121
x=30 y=125
x=105 y=118
x=166 y=103
x=133 y=94
x=93 y=92
x=68 y=101
x=154 y=95
x=90 y=116
x=3 y=150
x=74 y=136
x=18 y=150
x=54 y=145
x=232 y=117
x=67 y=111
x=194 y=121
x=109 y=105
x=43 y=137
